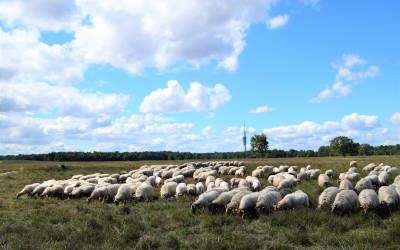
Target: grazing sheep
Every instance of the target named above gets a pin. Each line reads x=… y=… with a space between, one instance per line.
x=243 y=183
x=294 y=200
x=393 y=171
x=240 y=172
x=98 y=193
x=234 y=181
x=224 y=185
x=177 y=179
x=353 y=177
x=388 y=196
x=209 y=179
x=353 y=164
x=327 y=197
x=159 y=181
x=324 y=180
x=397 y=180
x=168 y=190
x=364 y=183
x=248 y=203
x=28 y=189
x=205 y=199
x=223 y=199
x=55 y=190
x=315 y=173
x=329 y=173
x=181 y=189
x=233 y=205
x=254 y=182
x=210 y=186
x=112 y=191
x=38 y=190
x=287 y=183
x=373 y=178
x=369 y=167
x=257 y=173
x=267 y=199
x=346 y=201
x=303 y=175
x=383 y=178
x=191 y=189
x=81 y=191
x=368 y=200
x=345 y=184
x=352 y=170
x=125 y=192
x=199 y=188
x=144 y=192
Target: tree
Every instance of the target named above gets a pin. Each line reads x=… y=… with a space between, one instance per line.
x=365 y=149
x=343 y=145
x=259 y=143
x=323 y=151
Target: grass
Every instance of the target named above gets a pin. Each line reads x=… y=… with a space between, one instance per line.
x=73 y=224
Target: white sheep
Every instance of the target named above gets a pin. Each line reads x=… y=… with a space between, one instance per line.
x=324 y=180
x=287 y=183
x=373 y=178
x=210 y=179
x=84 y=190
x=383 y=178
x=327 y=197
x=28 y=189
x=353 y=164
x=125 y=192
x=303 y=175
x=369 y=167
x=144 y=192
x=223 y=199
x=257 y=173
x=248 y=203
x=368 y=200
x=364 y=183
x=168 y=190
x=181 y=189
x=267 y=199
x=191 y=189
x=233 y=205
x=388 y=196
x=314 y=173
x=200 y=188
x=205 y=199
x=346 y=201
x=38 y=190
x=97 y=193
x=294 y=200
x=243 y=183
x=329 y=173
x=345 y=184
x=397 y=180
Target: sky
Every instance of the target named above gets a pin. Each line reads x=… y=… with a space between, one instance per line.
x=124 y=75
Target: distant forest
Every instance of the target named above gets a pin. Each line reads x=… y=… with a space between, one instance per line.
x=364 y=149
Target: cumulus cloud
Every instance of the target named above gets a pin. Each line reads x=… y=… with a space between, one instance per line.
x=395 y=118
x=174 y=98
x=34 y=97
x=350 y=71
x=261 y=109
x=278 y=21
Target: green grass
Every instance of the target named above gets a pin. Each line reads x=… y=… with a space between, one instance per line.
x=73 y=224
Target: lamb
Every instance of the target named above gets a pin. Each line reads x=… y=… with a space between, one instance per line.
x=368 y=200
x=345 y=184
x=383 y=178
x=248 y=203
x=181 y=189
x=200 y=188
x=327 y=197
x=294 y=200
x=364 y=183
x=388 y=196
x=168 y=190
x=233 y=205
x=267 y=200
x=28 y=189
x=205 y=199
x=144 y=192
x=125 y=192
x=329 y=173
x=346 y=201
x=323 y=180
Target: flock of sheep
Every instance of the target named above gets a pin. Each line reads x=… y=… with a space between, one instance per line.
x=241 y=194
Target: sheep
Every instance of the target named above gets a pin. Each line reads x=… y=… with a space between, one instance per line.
x=283 y=168
x=191 y=189
x=248 y=203
x=364 y=183
x=125 y=192
x=210 y=186
x=224 y=185
x=257 y=173
x=254 y=182
x=346 y=201
x=28 y=189
x=84 y=190
x=353 y=164
x=315 y=173
x=345 y=184
x=168 y=190
x=218 y=181
x=393 y=170
x=240 y=172
x=181 y=189
x=388 y=197
x=270 y=188
x=112 y=191
x=177 y=178
x=293 y=200
x=267 y=199
x=327 y=197
x=368 y=200
x=205 y=199
x=287 y=183
x=144 y=192
x=224 y=198
x=233 y=205
x=97 y=193
x=69 y=188
x=329 y=173
x=369 y=167
x=57 y=189
x=234 y=181
x=302 y=176
x=159 y=181
x=243 y=183
x=397 y=180
x=373 y=178
x=209 y=179
x=353 y=176
x=38 y=190
x=152 y=180
x=323 y=180
x=352 y=170
x=383 y=178
x=199 y=188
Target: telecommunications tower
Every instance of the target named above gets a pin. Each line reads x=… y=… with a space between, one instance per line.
x=244 y=137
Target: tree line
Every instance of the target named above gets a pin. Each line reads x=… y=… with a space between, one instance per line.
x=341 y=145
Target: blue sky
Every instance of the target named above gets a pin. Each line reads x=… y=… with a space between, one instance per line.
x=133 y=75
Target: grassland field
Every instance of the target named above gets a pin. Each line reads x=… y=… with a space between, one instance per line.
x=50 y=223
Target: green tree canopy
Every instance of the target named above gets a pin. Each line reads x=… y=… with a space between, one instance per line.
x=343 y=145
x=259 y=143
x=365 y=149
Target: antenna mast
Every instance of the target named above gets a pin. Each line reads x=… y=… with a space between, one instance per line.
x=244 y=137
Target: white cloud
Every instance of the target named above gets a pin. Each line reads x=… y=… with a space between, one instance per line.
x=262 y=109
x=65 y=100
x=278 y=21
x=349 y=71
x=360 y=122
x=175 y=99
x=395 y=118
